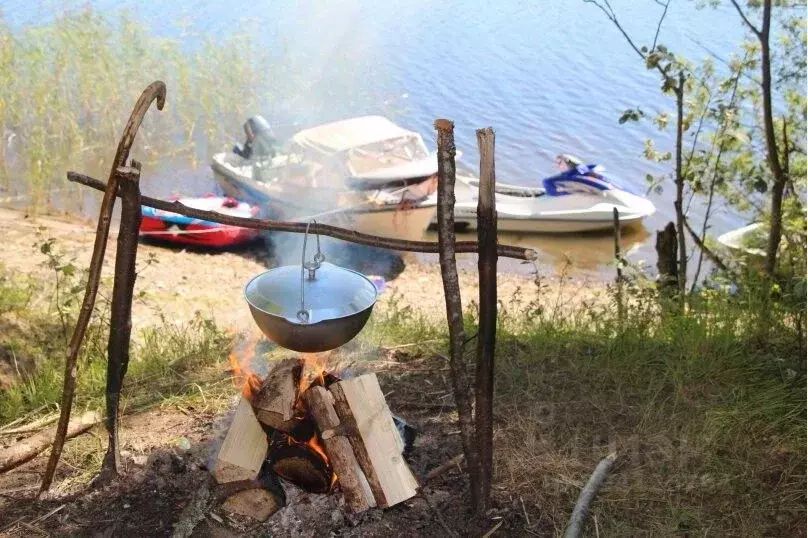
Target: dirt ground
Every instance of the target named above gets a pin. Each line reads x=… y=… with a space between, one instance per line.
x=167 y=449
x=167 y=481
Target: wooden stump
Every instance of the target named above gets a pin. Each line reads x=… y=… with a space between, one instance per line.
x=667 y=261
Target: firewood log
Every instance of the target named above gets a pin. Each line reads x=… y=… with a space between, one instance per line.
x=274 y=403
x=361 y=407
x=358 y=495
x=244 y=448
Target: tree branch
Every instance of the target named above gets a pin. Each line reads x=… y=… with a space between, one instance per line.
x=156 y=91
x=659 y=24
x=464 y=247
x=709 y=253
x=746 y=20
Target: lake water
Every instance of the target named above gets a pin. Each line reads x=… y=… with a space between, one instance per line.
x=549 y=76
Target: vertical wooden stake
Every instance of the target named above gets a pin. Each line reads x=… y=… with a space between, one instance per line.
x=156 y=91
x=619 y=261
x=486 y=341
x=454 y=308
x=120 y=326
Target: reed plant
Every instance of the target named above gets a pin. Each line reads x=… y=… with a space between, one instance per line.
x=66 y=88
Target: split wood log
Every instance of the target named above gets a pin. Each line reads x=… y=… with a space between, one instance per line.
x=486 y=341
x=156 y=91
x=120 y=325
x=302 y=465
x=19 y=453
x=587 y=495
x=352 y=236
x=244 y=448
x=354 y=484
x=261 y=502
x=454 y=307
x=257 y=504
x=274 y=403
x=361 y=407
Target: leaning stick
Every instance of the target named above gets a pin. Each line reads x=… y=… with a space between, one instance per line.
x=587 y=495
x=486 y=342
x=461 y=247
x=19 y=453
x=120 y=326
x=155 y=91
x=454 y=307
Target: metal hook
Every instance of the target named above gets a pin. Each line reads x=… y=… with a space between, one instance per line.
x=312 y=266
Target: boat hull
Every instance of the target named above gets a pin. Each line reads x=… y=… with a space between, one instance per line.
x=396 y=221
x=195 y=234
x=507 y=223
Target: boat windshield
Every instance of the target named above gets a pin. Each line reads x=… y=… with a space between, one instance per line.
x=385 y=154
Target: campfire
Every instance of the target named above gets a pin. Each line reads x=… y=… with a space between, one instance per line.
x=307 y=426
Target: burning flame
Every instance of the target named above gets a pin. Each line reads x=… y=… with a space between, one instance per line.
x=316 y=446
x=313 y=370
x=249 y=383
x=240 y=359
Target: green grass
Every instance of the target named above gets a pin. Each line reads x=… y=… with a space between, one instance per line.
x=706 y=410
x=36 y=321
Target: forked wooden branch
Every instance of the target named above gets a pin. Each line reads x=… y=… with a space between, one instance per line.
x=155 y=91
x=486 y=341
x=461 y=247
x=618 y=260
x=454 y=307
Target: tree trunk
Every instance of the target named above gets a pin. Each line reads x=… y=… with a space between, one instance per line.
x=454 y=308
x=772 y=155
x=680 y=187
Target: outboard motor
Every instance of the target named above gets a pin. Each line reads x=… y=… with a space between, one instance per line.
x=260 y=141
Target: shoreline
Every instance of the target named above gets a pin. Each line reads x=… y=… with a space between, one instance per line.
x=175 y=283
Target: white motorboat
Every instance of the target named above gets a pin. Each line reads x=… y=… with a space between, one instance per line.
x=579 y=199
x=750 y=239
x=364 y=173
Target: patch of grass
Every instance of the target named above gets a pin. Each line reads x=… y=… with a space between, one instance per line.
x=168 y=361
x=706 y=410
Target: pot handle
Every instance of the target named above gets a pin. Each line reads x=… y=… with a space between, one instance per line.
x=312 y=266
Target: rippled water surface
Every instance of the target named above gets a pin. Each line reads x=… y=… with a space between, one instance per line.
x=549 y=76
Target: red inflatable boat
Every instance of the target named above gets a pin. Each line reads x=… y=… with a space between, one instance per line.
x=174 y=228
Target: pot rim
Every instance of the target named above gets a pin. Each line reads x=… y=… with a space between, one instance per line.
x=251 y=305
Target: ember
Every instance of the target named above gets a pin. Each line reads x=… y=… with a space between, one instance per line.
x=315 y=431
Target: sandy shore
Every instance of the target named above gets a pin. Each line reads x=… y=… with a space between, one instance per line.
x=177 y=283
